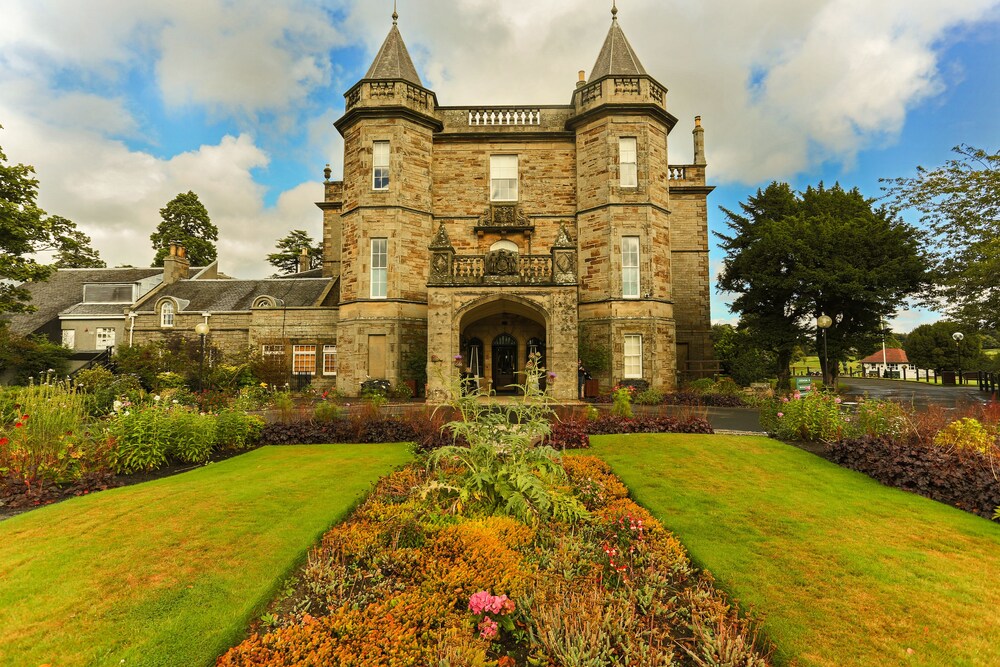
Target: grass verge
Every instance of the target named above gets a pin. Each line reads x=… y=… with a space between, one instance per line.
x=843 y=570
x=171 y=571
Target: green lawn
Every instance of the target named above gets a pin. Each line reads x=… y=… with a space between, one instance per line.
x=845 y=571
x=170 y=572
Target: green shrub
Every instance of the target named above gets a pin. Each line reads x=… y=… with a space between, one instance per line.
x=650 y=396
x=235 y=429
x=169 y=380
x=701 y=385
x=812 y=416
x=104 y=387
x=621 y=398
x=142 y=440
x=400 y=392
x=192 y=436
x=284 y=404
x=726 y=386
x=965 y=433
x=327 y=411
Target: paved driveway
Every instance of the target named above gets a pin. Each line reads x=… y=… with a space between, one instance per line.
x=917 y=394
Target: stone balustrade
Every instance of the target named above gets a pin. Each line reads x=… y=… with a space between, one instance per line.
x=505 y=116
x=478 y=270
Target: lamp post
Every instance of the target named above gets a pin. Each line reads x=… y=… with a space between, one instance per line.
x=824 y=322
x=958 y=337
x=202 y=330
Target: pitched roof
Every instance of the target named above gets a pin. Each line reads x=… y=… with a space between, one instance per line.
x=893 y=355
x=393 y=60
x=239 y=295
x=616 y=57
x=64 y=289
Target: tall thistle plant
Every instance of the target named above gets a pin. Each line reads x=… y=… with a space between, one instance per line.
x=507 y=468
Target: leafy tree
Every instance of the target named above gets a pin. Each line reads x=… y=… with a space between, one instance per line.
x=185 y=220
x=932 y=346
x=792 y=257
x=739 y=357
x=960 y=203
x=75 y=251
x=286 y=260
x=22 y=357
x=25 y=230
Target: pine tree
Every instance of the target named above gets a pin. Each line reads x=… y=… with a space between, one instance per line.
x=185 y=221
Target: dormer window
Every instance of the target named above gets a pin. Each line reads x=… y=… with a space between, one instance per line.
x=503 y=178
x=167 y=314
x=108 y=293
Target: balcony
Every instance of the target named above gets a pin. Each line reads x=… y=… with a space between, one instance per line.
x=504 y=268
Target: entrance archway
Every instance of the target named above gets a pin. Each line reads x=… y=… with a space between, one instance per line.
x=505 y=365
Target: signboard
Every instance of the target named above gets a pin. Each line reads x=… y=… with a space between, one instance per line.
x=803 y=385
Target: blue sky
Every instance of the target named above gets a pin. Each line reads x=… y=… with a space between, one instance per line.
x=121 y=104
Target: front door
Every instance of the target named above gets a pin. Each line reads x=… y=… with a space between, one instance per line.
x=504 y=363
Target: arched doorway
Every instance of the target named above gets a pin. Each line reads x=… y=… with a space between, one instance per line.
x=504 y=363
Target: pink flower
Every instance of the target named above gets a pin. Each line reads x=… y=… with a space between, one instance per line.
x=796 y=395
x=837 y=400
x=488 y=628
x=781 y=414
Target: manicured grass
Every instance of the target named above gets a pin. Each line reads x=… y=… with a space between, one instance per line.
x=170 y=572
x=845 y=571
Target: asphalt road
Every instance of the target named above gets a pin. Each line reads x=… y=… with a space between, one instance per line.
x=917 y=394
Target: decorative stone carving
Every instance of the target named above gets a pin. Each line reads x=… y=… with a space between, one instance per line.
x=564 y=258
x=501 y=263
x=504 y=217
x=442 y=256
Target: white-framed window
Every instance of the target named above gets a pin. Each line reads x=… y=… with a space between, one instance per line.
x=380 y=268
x=304 y=360
x=167 y=314
x=272 y=350
x=633 y=355
x=329 y=360
x=380 y=165
x=69 y=338
x=503 y=178
x=628 y=171
x=105 y=337
x=630 y=267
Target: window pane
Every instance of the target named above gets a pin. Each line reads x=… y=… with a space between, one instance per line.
x=380 y=165
x=304 y=359
x=380 y=262
x=628 y=172
x=503 y=177
x=630 y=266
x=329 y=360
x=167 y=315
x=107 y=293
x=633 y=356
x=105 y=337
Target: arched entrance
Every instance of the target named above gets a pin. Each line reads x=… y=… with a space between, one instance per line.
x=505 y=365
x=494 y=338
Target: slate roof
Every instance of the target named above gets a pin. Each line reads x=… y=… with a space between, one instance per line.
x=238 y=295
x=616 y=57
x=64 y=289
x=893 y=355
x=97 y=309
x=311 y=273
x=393 y=60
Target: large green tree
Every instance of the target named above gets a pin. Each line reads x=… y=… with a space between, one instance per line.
x=185 y=220
x=794 y=256
x=932 y=346
x=75 y=251
x=959 y=202
x=25 y=231
x=286 y=260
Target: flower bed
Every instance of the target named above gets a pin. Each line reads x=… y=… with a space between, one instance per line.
x=963 y=477
x=409 y=580
x=575 y=433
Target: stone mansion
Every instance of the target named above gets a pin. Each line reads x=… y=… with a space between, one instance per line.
x=486 y=232
x=495 y=232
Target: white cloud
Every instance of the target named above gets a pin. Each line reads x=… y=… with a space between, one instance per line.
x=782 y=85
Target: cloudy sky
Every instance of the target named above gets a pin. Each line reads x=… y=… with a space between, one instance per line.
x=122 y=104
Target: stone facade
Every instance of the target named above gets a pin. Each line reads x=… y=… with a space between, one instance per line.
x=495 y=278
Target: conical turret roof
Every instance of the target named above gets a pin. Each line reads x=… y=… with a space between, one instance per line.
x=617 y=57
x=393 y=60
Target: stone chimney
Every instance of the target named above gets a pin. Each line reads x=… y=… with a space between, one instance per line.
x=582 y=80
x=175 y=264
x=304 y=260
x=699 y=142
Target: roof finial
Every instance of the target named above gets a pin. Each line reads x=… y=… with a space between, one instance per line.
x=395 y=14
x=614 y=10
